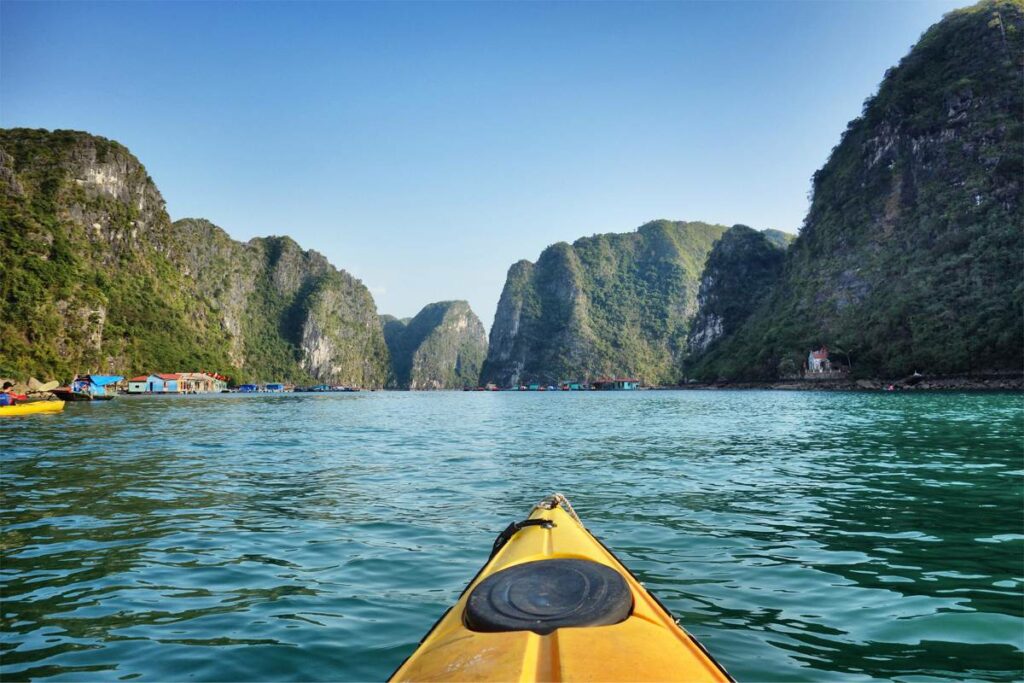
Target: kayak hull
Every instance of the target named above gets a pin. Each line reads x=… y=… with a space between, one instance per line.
x=76 y=396
x=32 y=408
x=648 y=645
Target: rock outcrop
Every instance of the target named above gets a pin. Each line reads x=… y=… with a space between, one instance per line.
x=740 y=271
x=612 y=304
x=442 y=347
x=284 y=307
x=96 y=277
x=912 y=252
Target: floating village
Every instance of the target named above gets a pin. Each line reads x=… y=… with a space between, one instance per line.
x=35 y=396
x=96 y=387
x=93 y=387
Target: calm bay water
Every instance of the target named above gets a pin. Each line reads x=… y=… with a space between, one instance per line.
x=799 y=536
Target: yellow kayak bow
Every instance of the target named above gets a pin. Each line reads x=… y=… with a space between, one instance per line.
x=32 y=408
x=553 y=604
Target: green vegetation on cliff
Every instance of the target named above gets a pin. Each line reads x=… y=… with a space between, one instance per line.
x=97 y=278
x=610 y=304
x=911 y=258
x=442 y=347
x=740 y=272
x=84 y=284
x=912 y=253
x=342 y=340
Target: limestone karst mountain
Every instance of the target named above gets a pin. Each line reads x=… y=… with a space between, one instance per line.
x=611 y=304
x=442 y=347
x=97 y=277
x=912 y=253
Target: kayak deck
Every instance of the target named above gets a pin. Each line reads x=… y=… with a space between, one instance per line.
x=645 y=645
x=32 y=408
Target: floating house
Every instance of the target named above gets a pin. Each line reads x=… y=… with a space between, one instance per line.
x=137 y=385
x=248 y=388
x=201 y=383
x=95 y=385
x=172 y=382
x=167 y=383
x=616 y=384
x=275 y=387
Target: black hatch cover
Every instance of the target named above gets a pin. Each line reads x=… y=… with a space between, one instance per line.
x=545 y=595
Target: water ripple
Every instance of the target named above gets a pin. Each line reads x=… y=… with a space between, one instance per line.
x=800 y=536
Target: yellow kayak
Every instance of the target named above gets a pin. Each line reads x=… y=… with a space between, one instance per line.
x=553 y=604
x=32 y=408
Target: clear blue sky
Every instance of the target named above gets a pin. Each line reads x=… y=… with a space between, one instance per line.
x=426 y=147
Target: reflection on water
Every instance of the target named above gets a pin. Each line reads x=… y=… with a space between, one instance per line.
x=800 y=536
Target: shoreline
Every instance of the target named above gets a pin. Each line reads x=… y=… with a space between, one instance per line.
x=988 y=382
x=1012 y=382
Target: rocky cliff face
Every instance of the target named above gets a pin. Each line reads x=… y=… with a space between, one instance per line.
x=342 y=340
x=224 y=274
x=288 y=312
x=98 y=278
x=911 y=254
x=741 y=270
x=89 y=281
x=613 y=304
x=443 y=347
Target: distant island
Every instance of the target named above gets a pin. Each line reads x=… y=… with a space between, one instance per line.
x=442 y=347
x=910 y=260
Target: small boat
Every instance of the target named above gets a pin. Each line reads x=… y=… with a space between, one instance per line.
x=69 y=394
x=32 y=408
x=87 y=388
x=554 y=604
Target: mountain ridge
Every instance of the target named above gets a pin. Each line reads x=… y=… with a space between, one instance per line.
x=441 y=347
x=910 y=258
x=102 y=280
x=612 y=303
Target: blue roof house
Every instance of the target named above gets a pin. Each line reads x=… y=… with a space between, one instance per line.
x=96 y=385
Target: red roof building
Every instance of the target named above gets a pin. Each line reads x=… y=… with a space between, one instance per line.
x=817 y=361
x=154 y=384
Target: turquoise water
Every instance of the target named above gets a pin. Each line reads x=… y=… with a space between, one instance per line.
x=799 y=536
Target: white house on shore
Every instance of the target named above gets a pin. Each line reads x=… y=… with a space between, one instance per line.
x=817 y=361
